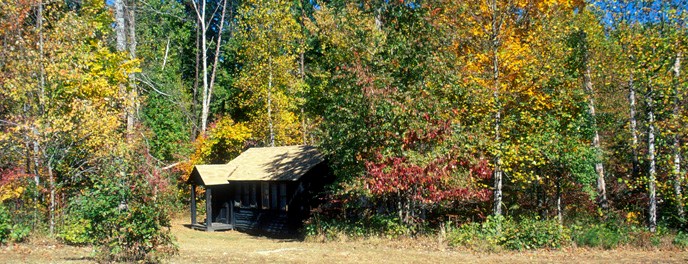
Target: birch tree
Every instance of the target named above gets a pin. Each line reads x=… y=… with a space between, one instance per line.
x=268 y=38
x=585 y=69
x=494 y=53
x=206 y=18
x=676 y=145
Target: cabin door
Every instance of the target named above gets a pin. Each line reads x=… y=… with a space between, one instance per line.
x=223 y=215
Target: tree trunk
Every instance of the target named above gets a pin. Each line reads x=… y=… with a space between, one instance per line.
x=51 y=178
x=676 y=148
x=121 y=37
x=302 y=71
x=41 y=102
x=36 y=170
x=634 y=128
x=560 y=208
x=269 y=105
x=599 y=166
x=132 y=106
x=200 y=15
x=39 y=22
x=194 y=102
x=218 y=44
x=204 y=62
x=303 y=115
x=652 y=211
x=498 y=111
x=121 y=45
x=167 y=49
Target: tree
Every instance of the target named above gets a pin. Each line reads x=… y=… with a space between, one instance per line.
x=67 y=120
x=268 y=38
x=495 y=49
x=206 y=18
x=165 y=47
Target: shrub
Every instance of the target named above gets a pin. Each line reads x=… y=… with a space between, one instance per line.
x=376 y=225
x=19 y=233
x=76 y=231
x=500 y=232
x=477 y=236
x=681 y=239
x=11 y=232
x=5 y=225
x=532 y=233
x=125 y=218
x=598 y=236
x=613 y=233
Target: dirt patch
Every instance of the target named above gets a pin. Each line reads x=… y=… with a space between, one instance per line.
x=236 y=247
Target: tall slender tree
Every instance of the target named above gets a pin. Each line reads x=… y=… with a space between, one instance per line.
x=268 y=38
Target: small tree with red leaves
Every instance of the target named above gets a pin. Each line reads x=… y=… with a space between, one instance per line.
x=430 y=174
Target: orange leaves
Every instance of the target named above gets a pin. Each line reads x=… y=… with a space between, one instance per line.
x=13 y=14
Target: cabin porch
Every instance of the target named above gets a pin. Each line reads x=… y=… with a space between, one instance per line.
x=214 y=227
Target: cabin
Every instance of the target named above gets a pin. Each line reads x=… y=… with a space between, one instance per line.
x=268 y=190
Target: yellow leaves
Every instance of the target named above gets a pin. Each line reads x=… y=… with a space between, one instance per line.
x=10 y=191
x=223 y=141
x=633 y=218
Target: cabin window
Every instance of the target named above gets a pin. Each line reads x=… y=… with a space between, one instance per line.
x=254 y=200
x=265 y=194
x=245 y=195
x=273 y=195
x=270 y=195
x=283 y=196
x=237 y=196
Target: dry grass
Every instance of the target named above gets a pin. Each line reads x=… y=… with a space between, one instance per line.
x=235 y=247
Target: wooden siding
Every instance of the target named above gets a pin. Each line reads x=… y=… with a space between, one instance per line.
x=272 y=222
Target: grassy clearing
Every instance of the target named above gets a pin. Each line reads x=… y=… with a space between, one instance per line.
x=235 y=247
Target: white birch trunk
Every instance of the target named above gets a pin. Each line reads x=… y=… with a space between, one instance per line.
x=303 y=115
x=41 y=108
x=204 y=62
x=218 y=44
x=676 y=144
x=194 y=102
x=199 y=8
x=121 y=38
x=652 y=210
x=51 y=179
x=132 y=106
x=498 y=110
x=634 y=128
x=269 y=105
x=167 y=49
x=599 y=166
x=560 y=208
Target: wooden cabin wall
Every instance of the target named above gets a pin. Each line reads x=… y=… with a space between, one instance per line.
x=301 y=197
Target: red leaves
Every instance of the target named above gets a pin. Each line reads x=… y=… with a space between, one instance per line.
x=481 y=170
x=453 y=177
x=430 y=183
x=10 y=176
x=434 y=133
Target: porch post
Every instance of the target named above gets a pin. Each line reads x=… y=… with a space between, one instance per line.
x=193 y=204
x=208 y=209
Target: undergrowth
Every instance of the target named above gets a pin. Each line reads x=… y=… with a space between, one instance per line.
x=496 y=234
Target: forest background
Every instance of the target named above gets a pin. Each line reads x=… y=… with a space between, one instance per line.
x=528 y=123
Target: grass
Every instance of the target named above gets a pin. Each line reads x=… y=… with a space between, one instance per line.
x=235 y=247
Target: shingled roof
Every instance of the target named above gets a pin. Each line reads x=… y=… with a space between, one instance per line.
x=287 y=163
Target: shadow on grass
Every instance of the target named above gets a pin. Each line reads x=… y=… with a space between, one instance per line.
x=292 y=236
x=85 y=259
